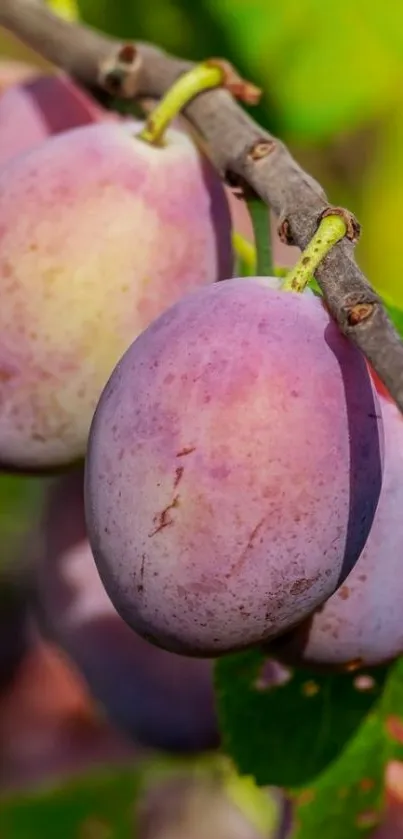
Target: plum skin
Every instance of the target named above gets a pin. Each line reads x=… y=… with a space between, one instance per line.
x=112 y=232
x=210 y=510
x=41 y=107
x=159 y=699
x=362 y=622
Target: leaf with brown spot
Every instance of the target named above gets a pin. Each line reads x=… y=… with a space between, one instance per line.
x=350 y=795
x=288 y=732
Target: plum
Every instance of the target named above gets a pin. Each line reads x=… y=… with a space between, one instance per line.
x=14 y=72
x=99 y=233
x=233 y=469
x=158 y=698
x=361 y=623
x=40 y=107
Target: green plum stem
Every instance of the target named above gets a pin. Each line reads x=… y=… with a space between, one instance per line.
x=246 y=256
x=260 y=215
x=245 y=252
x=331 y=229
x=200 y=78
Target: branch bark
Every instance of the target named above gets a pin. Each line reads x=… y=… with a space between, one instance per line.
x=240 y=149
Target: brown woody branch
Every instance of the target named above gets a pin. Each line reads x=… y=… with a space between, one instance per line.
x=239 y=148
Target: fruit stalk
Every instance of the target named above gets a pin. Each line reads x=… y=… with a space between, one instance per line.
x=245 y=255
x=331 y=230
x=201 y=77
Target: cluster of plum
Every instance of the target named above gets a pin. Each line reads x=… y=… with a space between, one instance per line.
x=243 y=466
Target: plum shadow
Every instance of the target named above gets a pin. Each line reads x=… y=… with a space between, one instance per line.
x=221 y=219
x=366 y=457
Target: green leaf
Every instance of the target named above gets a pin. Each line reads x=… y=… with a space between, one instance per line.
x=347 y=800
x=107 y=804
x=20 y=499
x=286 y=733
x=101 y=805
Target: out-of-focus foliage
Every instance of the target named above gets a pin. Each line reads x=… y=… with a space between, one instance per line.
x=316 y=714
x=347 y=800
x=19 y=503
x=325 y=70
x=65 y=8
x=381 y=248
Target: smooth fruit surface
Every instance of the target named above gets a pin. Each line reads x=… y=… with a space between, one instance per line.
x=362 y=622
x=40 y=107
x=15 y=72
x=99 y=233
x=234 y=468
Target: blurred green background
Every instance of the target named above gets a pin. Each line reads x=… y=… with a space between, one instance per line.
x=332 y=80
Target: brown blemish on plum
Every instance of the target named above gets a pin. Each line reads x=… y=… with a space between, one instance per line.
x=186 y=450
x=162 y=519
x=250 y=543
x=344 y=593
x=207 y=586
x=140 y=587
x=299 y=586
x=178 y=475
x=394 y=728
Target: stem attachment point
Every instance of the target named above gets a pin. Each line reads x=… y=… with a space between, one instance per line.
x=332 y=228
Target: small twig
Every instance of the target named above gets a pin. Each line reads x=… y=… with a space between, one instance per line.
x=238 y=147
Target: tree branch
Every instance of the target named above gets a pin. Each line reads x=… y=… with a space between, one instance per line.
x=240 y=149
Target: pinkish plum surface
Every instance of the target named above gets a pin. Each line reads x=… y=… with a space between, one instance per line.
x=99 y=233
x=40 y=107
x=159 y=698
x=362 y=623
x=15 y=72
x=234 y=468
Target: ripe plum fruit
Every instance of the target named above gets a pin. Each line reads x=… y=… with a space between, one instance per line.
x=234 y=468
x=361 y=623
x=99 y=233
